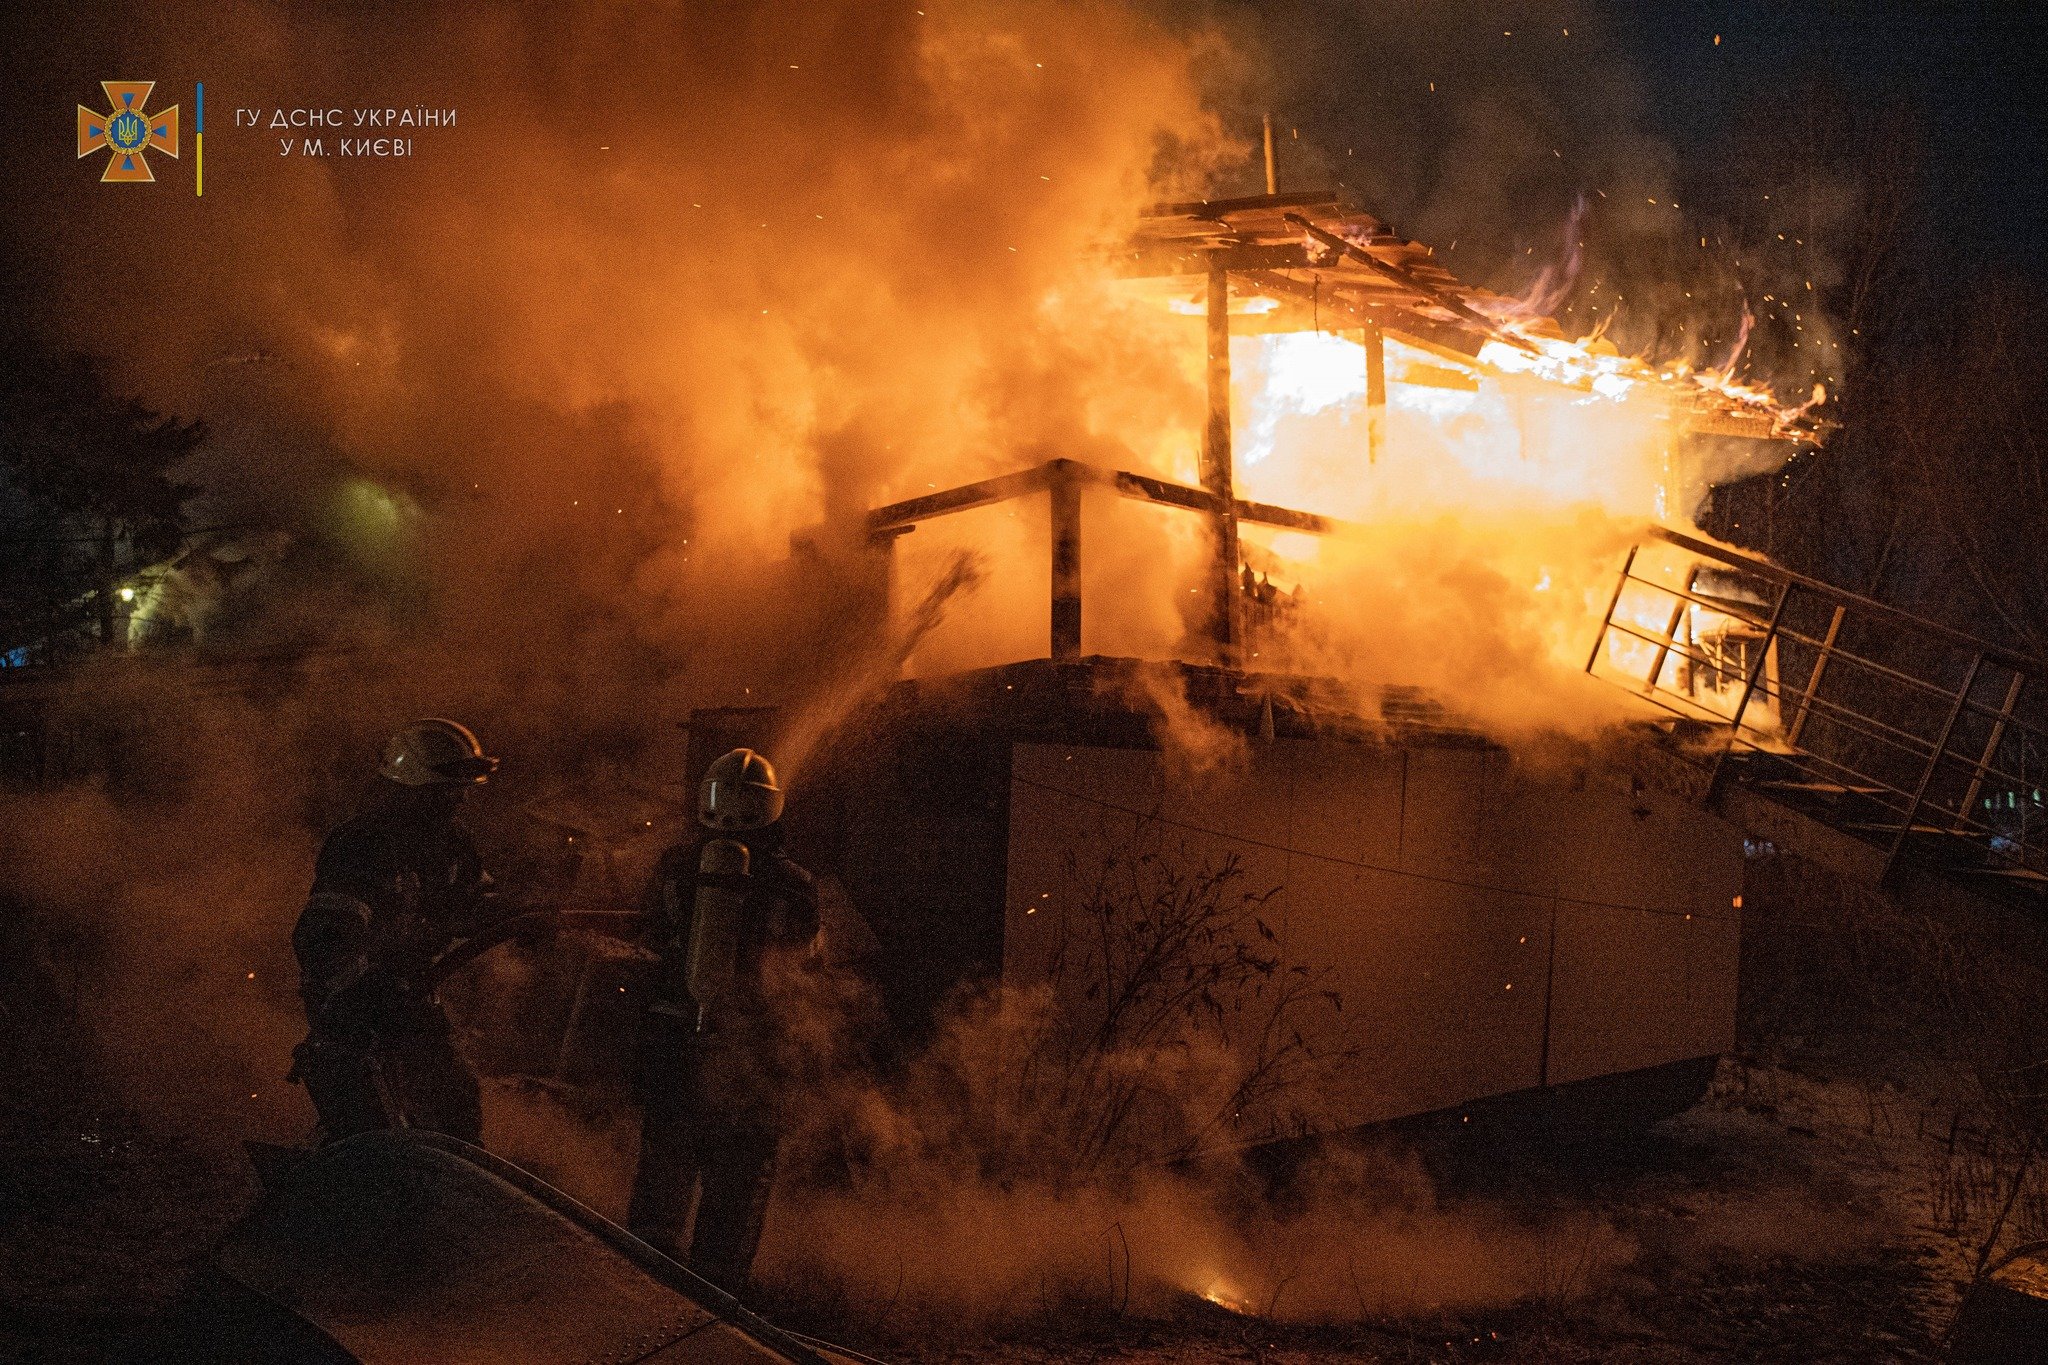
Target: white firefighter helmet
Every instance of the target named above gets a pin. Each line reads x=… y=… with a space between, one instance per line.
x=436 y=753
x=739 y=793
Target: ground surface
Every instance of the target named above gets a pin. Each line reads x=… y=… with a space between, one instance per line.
x=1784 y=1219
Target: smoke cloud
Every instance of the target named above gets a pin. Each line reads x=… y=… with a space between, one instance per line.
x=540 y=408
x=669 y=291
x=542 y=405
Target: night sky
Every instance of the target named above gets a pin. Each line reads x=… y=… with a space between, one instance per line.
x=1354 y=76
x=1972 y=73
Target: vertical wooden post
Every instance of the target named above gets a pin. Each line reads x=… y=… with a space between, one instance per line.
x=1375 y=393
x=1216 y=468
x=1692 y=641
x=1272 y=179
x=1066 y=563
x=1764 y=651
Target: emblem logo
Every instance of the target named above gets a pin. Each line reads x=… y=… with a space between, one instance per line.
x=127 y=132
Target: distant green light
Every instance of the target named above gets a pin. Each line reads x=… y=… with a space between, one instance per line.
x=373 y=509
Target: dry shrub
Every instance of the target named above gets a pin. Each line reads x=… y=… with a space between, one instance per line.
x=1075 y=1145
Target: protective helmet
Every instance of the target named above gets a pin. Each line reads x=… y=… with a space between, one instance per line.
x=739 y=793
x=436 y=753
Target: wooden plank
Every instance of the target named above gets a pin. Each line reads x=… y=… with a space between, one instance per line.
x=961 y=499
x=1735 y=422
x=1161 y=491
x=1065 y=485
x=1218 y=466
x=1217 y=208
x=1198 y=258
x=1375 y=393
x=1431 y=293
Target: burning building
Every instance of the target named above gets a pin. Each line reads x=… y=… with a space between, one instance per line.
x=1213 y=676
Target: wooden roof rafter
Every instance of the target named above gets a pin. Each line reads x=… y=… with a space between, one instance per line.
x=1319 y=256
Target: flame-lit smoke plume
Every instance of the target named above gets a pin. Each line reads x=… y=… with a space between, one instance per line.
x=670 y=291
x=542 y=408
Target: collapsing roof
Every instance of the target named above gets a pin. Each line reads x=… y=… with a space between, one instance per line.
x=1303 y=263
x=1323 y=265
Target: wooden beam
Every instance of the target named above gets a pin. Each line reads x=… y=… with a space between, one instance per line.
x=1375 y=393
x=1148 y=489
x=1455 y=306
x=1266 y=514
x=1160 y=491
x=998 y=489
x=1197 y=258
x=1216 y=468
x=1392 y=317
x=1216 y=208
x=1066 y=560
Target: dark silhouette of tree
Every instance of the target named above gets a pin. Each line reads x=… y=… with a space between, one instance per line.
x=1933 y=491
x=1819 y=200
x=1972 y=436
x=88 y=496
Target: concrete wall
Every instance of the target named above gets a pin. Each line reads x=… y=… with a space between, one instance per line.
x=1487 y=930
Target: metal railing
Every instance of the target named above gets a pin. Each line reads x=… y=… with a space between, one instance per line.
x=1920 y=738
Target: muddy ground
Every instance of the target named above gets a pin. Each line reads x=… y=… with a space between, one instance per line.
x=1788 y=1217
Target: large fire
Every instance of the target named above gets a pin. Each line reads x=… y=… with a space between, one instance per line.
x=1471 y=478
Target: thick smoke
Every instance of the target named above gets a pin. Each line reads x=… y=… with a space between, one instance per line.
x=1364 y=1236
x=671 y=290
x=542 y=406
x=1522 y=142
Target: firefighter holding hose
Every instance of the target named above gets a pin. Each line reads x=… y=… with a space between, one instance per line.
x=393 y=889
x=729 y=909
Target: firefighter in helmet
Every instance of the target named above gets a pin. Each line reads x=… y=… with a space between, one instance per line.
x=728 y=907
x=393 y=889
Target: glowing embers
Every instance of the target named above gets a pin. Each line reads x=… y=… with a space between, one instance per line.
x=1593 y=364
x=1227 y=1298
x=1593 y=367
